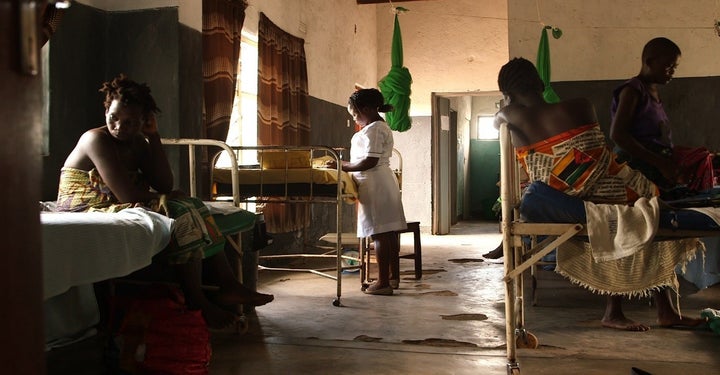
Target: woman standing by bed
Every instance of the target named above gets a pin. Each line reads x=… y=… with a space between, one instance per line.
x=380 y=212
x=122 y=164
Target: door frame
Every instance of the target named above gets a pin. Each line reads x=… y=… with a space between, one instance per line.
x=435 y=134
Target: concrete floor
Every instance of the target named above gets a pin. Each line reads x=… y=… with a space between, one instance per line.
x=450 y=322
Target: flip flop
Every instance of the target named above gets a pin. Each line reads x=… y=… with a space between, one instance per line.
x=384 y=291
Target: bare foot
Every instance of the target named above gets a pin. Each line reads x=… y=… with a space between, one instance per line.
x=624 y=324
x=238 y=294
x=677 y=321
x=218 y=318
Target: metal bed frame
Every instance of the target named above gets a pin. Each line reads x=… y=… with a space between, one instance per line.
x=287 y=197
x=518 y=258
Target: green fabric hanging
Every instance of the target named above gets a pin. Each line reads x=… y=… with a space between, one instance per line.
x=395 y=86
x=543 y=67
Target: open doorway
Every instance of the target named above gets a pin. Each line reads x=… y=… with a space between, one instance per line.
x=465 y=158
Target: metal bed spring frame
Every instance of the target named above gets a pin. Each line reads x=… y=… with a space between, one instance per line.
x=517 y=259
x=338 y=200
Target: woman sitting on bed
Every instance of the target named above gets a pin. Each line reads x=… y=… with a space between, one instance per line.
x=122 y=165
x=561 y=144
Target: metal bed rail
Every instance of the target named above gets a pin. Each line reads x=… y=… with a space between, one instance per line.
x=288 y=197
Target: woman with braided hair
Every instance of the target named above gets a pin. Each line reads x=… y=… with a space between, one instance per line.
x=121 y=165
x=562 y=146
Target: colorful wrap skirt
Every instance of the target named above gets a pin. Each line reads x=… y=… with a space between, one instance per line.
x=194 y=230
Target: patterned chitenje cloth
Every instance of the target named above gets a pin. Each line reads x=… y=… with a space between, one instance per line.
x=579 y=163
x=194 y=229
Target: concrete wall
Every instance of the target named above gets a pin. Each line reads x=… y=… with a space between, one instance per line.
x=93 y=46
x=448 y=46
x=340 y=41
x=601 y=46
x=602 y=39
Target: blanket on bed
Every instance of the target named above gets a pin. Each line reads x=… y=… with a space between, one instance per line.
x=194 y=232
x=633 y=276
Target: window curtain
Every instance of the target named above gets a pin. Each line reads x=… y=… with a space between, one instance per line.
x=222 y=23
x=283 y=115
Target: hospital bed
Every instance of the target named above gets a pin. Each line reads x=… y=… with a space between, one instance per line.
x=82 y=248
x=282 y=175
x=519 y=256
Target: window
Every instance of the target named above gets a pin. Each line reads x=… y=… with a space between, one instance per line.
x=486 y=127
x=243 y=121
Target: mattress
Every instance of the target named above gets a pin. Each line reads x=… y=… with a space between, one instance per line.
x=292 y=181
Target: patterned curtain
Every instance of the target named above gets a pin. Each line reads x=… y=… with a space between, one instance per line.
x=283 y=116
x=222 y=23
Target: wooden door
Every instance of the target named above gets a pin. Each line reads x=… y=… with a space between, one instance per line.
x=21 y=328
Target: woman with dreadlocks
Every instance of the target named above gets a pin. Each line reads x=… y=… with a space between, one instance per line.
x=121 y=165
x=561 y=145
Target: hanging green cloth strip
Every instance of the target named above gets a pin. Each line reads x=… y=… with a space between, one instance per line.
x=543 y=67
x=395 y=86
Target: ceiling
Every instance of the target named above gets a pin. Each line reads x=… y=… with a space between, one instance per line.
x=381 y=1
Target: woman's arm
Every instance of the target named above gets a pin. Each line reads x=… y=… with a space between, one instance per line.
x=103 y=153
x=361 y=165
x=620 y=134
x=155 y=166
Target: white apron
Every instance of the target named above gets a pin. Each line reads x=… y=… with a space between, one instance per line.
x=380 y=209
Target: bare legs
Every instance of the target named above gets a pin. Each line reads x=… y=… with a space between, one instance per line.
x=667 y=314
x=614 y=317
x=387 y=250
x=231 y=291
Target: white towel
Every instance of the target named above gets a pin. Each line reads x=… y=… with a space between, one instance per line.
x=619 y=230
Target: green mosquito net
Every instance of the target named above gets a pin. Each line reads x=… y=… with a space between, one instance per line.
x=543 y=67
x=395 y=86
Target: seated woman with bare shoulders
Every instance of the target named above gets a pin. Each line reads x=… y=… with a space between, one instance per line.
x=562 y=145
x=122 y=164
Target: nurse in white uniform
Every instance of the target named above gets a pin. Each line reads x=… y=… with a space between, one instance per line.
x=380 y=212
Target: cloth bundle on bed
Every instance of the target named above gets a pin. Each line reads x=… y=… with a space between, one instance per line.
x=628 y=262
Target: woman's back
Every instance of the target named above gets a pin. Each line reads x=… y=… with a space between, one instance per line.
x=539 y=122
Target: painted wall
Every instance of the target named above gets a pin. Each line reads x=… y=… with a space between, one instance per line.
x=448 y=46
x=603 y=39
x=340 y=41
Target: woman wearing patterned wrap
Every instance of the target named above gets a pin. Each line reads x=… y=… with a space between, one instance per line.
x=121 y=165
x=561 y=144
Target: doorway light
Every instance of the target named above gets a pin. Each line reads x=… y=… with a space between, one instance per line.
x=486 y=127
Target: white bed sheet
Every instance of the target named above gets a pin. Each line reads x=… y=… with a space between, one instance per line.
x=82 y=248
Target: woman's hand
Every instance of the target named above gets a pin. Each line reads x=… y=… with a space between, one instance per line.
x=331 y=164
